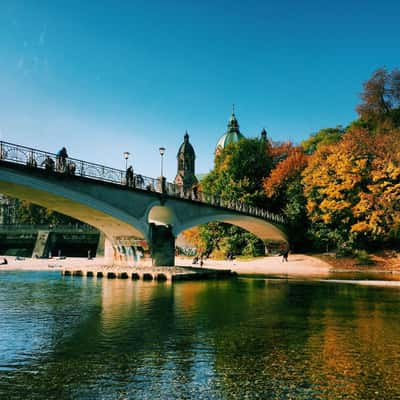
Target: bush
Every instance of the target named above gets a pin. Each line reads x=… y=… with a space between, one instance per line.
x=344 y=250
x=363 y=258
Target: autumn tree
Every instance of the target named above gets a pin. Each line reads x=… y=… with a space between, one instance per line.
x=349 y=185
x=285 y=172
x=285 y=190
x=381 y=98
x=280 y=151
x=378 y=209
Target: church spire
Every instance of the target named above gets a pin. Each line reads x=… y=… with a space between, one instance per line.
x=264 y=135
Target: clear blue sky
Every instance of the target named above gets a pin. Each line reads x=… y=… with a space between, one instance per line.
x=102 y=77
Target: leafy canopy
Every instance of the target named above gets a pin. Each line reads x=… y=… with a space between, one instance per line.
x=239 y=171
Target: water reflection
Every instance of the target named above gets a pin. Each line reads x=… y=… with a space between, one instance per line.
x=87 y=339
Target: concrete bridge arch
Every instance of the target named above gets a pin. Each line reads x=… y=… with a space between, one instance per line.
x=258 y=227
x=122 y=213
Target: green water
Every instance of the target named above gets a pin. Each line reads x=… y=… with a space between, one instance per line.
x=77 y=338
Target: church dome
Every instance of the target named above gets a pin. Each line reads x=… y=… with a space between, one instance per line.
x=232 y=135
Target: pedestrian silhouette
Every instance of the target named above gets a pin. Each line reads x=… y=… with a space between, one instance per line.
x=285 y=255
x=129 y=176
x=61 y=158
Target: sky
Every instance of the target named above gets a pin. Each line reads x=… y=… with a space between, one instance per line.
x=104 y=77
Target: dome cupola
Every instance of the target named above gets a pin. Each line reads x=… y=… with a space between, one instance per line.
x=232 y=134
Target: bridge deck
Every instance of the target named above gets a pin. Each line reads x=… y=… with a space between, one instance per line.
x=53 y=164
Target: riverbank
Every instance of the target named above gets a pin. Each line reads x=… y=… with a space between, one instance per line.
x=384 y=261
x=299 y=265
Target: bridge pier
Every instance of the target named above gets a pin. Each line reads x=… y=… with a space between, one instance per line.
x=162 y=245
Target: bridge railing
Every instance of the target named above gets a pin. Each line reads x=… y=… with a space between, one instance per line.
x=33 y=158
x=52 y=163
x=4 y=228
x=235 y=205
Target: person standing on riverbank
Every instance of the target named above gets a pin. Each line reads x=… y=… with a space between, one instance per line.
x=285 y=255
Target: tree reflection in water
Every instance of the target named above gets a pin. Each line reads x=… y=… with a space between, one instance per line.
x=233 y=339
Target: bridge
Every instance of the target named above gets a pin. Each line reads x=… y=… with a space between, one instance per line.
x=124 y=210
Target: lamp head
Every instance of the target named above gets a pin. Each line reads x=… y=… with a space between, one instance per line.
x=162 y=150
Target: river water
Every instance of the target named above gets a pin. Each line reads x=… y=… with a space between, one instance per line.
x=78 y=338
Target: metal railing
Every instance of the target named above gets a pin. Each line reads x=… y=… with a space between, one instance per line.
x=52 y=163
x=5 y=228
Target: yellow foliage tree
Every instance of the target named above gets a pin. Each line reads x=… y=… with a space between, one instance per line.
x=353 y=187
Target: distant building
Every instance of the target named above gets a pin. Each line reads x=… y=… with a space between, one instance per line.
x=232 y=135
x=186 y=157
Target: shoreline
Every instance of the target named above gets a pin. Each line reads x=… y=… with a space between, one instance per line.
x=299 y=265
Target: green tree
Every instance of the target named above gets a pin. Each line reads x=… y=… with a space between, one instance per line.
x=322 y=137
x=239 y=172
x=32 y=214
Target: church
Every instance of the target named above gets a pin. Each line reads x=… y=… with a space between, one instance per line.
x=185 y=176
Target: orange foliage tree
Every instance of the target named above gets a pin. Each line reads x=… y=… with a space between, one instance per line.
x=287 y=170
x=284 y=189
x=352 y=189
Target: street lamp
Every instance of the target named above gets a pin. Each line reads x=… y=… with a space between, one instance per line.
x=162 y=152
x=126 y=156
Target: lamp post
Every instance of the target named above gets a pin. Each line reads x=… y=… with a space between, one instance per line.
x=126 y=156
x=162 y=152
x=162 y=180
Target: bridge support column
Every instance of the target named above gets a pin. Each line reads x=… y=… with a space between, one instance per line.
x=162 y=245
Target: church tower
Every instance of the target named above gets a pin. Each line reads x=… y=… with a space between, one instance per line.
x=264 y=135
x=185 y=176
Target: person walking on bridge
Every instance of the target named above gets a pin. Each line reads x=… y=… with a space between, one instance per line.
x=129 y=177
x=61 y=157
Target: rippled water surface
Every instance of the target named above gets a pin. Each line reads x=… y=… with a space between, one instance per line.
x=77 y=338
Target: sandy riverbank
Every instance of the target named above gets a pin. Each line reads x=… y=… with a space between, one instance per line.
x=298 y=265
x=38 y=264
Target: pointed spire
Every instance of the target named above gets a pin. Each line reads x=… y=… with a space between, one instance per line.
x=233 y=123
x=186 y=137
x=264 y=134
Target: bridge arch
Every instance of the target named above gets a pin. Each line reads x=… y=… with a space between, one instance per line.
x=73 y=199
x=160 y=214
x=260 y=228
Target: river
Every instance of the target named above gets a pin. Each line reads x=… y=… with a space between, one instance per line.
x=246 y=338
